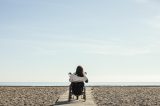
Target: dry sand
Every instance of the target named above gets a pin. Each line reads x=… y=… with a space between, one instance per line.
x=103 y=96
x=30 y=96
x=126 y=96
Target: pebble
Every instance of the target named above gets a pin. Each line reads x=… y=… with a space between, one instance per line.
x=30 y=96
x=126 y=96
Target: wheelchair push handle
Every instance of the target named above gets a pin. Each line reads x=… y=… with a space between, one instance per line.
x=85 y=73
x=69 y=73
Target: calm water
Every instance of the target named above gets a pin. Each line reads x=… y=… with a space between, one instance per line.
x=88 y=84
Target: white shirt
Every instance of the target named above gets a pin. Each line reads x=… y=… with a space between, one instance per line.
x=75 y=78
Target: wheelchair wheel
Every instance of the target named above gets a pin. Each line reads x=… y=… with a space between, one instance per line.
x=77 y=97
x=84 y=94
x=70 y=94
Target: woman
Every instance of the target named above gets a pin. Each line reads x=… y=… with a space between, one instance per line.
x=78 y=76
x=77 y=81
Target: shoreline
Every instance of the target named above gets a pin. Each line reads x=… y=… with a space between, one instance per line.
x=89 y=86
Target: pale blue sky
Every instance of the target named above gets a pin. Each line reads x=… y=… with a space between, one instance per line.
x=114 y=40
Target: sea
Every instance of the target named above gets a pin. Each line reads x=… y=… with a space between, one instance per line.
x=86 y=84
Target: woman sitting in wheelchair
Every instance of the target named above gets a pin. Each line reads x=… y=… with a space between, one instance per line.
x=77 y=80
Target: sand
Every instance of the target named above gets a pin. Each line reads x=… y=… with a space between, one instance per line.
x=126 y=96
x=30 y=96
x=103 y=96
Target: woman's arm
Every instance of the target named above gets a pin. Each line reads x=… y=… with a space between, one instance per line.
x=75 y=78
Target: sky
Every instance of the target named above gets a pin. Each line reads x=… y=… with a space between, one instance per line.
x=113 y=40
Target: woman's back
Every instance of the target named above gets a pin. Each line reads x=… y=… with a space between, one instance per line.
x=79 y=75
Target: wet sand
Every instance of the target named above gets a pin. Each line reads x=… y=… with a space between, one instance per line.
x=30 y=96
x=126 y=96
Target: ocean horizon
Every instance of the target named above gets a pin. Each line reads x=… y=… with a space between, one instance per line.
x=87 y=84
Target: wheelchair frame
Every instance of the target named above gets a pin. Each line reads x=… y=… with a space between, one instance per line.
x=71 y=95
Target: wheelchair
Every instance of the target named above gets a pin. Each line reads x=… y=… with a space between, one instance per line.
x=77 y=89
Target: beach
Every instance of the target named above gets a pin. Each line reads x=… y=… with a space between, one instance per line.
x=102 y=95
x=126 y=96
x=30 y=96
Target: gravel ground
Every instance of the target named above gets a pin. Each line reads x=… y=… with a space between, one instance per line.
x=30 y=96
x=126 y=96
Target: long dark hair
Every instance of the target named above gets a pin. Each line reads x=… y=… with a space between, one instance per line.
x=79 y=71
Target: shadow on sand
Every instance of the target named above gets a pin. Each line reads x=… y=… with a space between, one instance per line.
x=62 y=103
